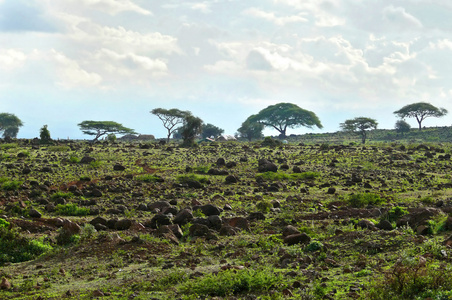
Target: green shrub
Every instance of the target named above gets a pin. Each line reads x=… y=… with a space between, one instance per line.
x=58 y=148
x=11 y=185
x=4 y=223
x=16 y=248
x=96 y=164
x=111 y=137
x=149 y=178
x=364 y=199
x=71 y=209
x=314 y=246
x=269 y=142
x=191 y=177
x=232 y=282
x=74 y=159
x=264 y=206
x=8 y=146
x=278 y=176
x=60 y=194
x=395 y=213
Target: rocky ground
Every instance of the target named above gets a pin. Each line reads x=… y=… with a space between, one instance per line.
x=225 y=221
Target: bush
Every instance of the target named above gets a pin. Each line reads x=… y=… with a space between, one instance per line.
x=16 y=248
x=269 y=142
x=278 y=176
x=4 y=223
x=232 y=282
x=149 y=178
x=395 y=213
x=364 y=199
x=59 y=194
x=71 y=209
x=74 y=159
x=11 y=185
x=191 y=177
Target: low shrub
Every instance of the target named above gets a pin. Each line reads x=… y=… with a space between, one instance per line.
x=278 y=176
x=364 y=199
x=192 y=177
x=59 y=194
x=149 y=178
x=74 y=159
x=395 y=213
x=11 y=185
x=58 y=148
x=232 y=282
x=71 y=209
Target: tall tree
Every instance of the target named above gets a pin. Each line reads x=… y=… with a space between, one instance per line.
x=420 y=111
x=286 y=115
x=402 y=127
x=191 y=128
x=9 y=125
x=209 y=130
x=251 y=130
x=359 y=125
x=101 y=128
x=171 y=118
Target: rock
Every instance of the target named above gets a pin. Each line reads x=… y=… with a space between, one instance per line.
x=239 y=222
x=423 y=230
x=160 y=205
x=266 y=166
x=96 y=193
x=71 y=227
x=5 y=284
x=118 y=167
x=87 y=160
x=289 y=230
x=296 y=169
x=256 y=216
x=221 y=162
x=300 y=238
x=230 y=179
x=34 y=213
x=98 y=293
x=98 y=220
x=183 y=217
x=384 y=225
x=331 y=191
x=199 y=230
x=123 y=224
x=231 y=164
x=366 y=224
x=208 y=209
x=419 y=217
x=227 y=230
x=159 y=220
x=214 y=222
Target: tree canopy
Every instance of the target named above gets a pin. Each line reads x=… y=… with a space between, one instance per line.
x=420 y=111
x=401 y=126
x=209 y=130
x=359 y=125
x=251 y=130
x=100 y=128
x=286 y=115
x=9 y=125
x=171 y=118
x=191 y=128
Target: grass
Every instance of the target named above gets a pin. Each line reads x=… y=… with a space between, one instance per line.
x=364 y=199
x=279 y=176
x=71 y=209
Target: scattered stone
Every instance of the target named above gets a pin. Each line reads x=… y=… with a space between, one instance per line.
x=289 y=230
x=123 y=224
x=230 y=179
x=87 y=160
x=208 y=209
x=384 y=225
x=118 y=167
x=34 y=213
x=300 y=238
x=5 y=284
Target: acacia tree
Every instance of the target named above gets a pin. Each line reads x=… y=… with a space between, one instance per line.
x=9 y=124
x=251 y=130
x=420 y=111
x=209 y=130
x=359 y=125
x=101 y=128
x=285 y=115
x=171 y=118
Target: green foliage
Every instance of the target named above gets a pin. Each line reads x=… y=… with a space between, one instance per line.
x=364 y=199
x=111 y=137
x=8 y=146
x=251 y=130
x=16 y=248
x=285 y=115
x=409 y=279
x=420 y=111
x=402 y=127
x=232 y=282
x=270 y=142
x=74 y=159
x=171 y=118
x=191 y=128
x=359 y=125
x=101 y=128
x=44 y=134
x=313 y=246
x=96 y=164
x=58 y=148
x=192 y=177
x=395 y=213
x=9 y=124
x=4 y=223
x=149 y=178
x=11 y=185
x=209 y=130
x=59 y=194
x=264 y=206
x=278 y=176
x=71 y=209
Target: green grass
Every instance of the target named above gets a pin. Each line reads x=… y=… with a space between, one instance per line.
x=10 y=185
x=71 y=209
x=149 y=178
x=364 y=199
x=279 y=176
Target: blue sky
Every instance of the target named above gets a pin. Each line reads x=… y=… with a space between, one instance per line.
x=65 y=61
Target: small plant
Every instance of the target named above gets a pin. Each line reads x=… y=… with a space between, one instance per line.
x=74 y=159
x=364 y=199
x=71 y=209
x=111 y=137
x=59 y=194
x=11 y=185
x=149 y=178
x=269 y=142
x=264 y=206
x=58 y=148
x=96 y=164
x=395 y=213
x=314 y=246
x=4 y=223
x=190 y=178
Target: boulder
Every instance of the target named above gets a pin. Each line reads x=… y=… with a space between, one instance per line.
x=384 y=225
x=183 y=217
x=299 y=238
x=208 y=209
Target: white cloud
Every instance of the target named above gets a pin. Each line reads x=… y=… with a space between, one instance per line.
x=112 y=7
x=69 y=73
x=203 y=7
x=271 y=16
x=11 y=59
x=398 y=17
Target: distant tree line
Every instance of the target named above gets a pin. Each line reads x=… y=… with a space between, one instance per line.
x=281 y=116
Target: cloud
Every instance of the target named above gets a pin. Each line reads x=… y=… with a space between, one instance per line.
x=112 y=7
x=203 y=7
x=23 y=15
x=11 y=59
x=257 y=61
x=398 y=17
x=271 y=17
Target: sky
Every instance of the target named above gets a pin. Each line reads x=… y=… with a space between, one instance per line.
x=66 y=61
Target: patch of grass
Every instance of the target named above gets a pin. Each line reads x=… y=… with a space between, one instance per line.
x=149 y=178
x=4 y=223
x=74 y=159
x=16 y=248
x=232 y=282
x=395 y=213
x=8 y=146
x=279 y=176
x=364 y=199
x=59 y=194
x=71 y=209
x=191 y=177
x=58 y=148
x=11 y=185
